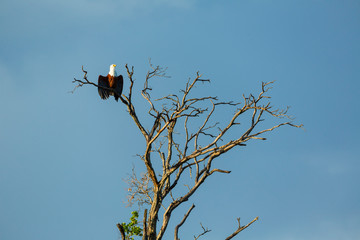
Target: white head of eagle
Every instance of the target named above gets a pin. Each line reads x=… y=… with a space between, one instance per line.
x=112 y=71
x=110 y=85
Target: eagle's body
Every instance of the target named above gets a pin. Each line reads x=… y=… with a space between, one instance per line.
x=111 y=81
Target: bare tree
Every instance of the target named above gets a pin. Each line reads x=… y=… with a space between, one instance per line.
x=183 y=138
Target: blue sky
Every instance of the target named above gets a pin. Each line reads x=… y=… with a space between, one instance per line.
x=63 y=156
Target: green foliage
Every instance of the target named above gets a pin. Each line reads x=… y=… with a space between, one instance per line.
x=132 y=229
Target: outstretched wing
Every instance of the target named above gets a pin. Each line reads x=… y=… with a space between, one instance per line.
x=103 y=82
x=119 y=82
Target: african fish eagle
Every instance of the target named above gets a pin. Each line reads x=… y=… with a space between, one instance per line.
x=111 y=81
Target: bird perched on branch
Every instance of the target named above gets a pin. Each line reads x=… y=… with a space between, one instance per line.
x=111 y=85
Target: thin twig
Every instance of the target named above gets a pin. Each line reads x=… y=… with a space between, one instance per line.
x=241 y=228
x=182 y=222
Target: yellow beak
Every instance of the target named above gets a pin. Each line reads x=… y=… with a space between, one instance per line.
x=114 y=65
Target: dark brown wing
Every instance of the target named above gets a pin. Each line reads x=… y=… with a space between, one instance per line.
x=119 y=82
x=103 y=82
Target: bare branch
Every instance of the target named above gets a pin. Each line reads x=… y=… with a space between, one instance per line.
x=121 y=230
x=219 y=170
x=140 y=191
x=182 y=222
x=240 y=228
x=145 y=226
x=205 y=230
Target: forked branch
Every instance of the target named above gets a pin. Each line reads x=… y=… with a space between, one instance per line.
x=240 y=228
